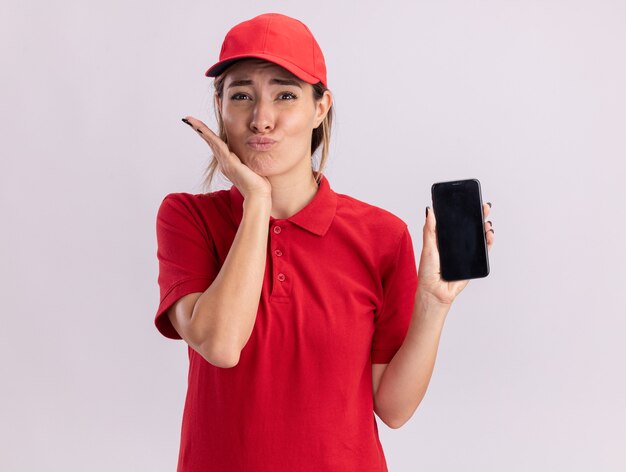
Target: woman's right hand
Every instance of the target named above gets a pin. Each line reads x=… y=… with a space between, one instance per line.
x=248 y=182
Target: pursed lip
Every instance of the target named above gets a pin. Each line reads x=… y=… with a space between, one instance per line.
x=260 y=143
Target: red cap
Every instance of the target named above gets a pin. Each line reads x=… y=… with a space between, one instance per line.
x=276 y=38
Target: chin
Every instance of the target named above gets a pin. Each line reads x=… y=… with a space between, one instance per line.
x=262 y=163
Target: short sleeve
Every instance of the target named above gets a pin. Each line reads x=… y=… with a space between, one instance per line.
x=391 y=322
x=187 y=260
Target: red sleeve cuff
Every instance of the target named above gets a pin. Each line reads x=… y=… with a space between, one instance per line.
x=179 y=290
x=383 y=356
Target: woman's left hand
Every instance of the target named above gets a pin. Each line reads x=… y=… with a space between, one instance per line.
x=430 y=282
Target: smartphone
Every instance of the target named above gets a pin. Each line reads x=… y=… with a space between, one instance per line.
x=458 y=208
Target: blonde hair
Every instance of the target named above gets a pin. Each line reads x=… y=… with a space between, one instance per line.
x=320 y=135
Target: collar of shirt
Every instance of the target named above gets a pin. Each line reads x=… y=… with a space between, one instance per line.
x=315 y=217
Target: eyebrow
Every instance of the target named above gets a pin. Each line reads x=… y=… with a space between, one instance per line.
x=242 y=82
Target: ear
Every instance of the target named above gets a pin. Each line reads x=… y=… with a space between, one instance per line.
x=322 y=106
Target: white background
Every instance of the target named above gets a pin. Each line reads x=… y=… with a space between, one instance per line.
x=527 y=96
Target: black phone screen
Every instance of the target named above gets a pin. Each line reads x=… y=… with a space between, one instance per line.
x=460 y=229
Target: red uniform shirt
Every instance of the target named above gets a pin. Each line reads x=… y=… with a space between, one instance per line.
x=337 y=296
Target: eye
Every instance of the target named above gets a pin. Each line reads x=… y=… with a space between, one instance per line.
x=287 y=96
x=240 y=96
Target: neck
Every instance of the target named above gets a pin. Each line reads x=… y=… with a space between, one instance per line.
x=291 y=196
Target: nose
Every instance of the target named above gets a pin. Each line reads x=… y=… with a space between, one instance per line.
x=262 y=117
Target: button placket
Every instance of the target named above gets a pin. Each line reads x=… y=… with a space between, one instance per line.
x=281 y=286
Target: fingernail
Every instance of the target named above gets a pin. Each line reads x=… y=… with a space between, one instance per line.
x=490 y=222
x=492 y=231
x=489 y=203
x=427 y=212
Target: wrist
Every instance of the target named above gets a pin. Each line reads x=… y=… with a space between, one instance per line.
x=429 y=306
x=258 y=203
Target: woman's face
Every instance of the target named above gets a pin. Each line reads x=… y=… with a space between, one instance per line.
x=269 y=116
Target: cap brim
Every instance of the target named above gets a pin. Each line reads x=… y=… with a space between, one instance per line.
x=219 y=67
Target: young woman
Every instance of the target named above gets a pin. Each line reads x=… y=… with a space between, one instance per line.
x=301 y=306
